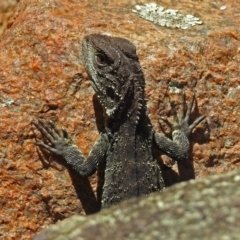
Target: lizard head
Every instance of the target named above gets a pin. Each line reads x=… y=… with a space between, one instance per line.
x=111 y=63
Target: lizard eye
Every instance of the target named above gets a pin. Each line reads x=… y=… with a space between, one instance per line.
x=102 y=59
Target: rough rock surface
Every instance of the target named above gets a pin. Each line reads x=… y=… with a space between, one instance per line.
x=206 y=208
x=6 y=10
x=41 y=75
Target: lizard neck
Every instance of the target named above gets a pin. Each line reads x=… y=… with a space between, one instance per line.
x=132 y=111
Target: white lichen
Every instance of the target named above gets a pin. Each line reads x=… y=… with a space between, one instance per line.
x=6 y=102
x=223 y=7
x=165 y=18
x=174 y=90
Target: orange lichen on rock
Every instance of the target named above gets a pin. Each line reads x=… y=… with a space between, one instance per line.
x=42 y=76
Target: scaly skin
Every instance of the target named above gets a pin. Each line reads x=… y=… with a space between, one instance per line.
x=128 y=139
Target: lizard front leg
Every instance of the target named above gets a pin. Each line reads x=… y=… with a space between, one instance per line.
x=59 y=143
x=181 y=130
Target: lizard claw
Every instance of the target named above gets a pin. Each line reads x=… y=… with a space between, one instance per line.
x=167 y=122
x=55 y=141
x=181 y=122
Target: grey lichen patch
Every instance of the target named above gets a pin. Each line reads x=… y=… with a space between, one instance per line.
x=236 y=178
x=165 y=17
x=174 y=90
x=6 y=102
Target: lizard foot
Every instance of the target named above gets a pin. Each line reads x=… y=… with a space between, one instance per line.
x=181 y=122
x=55 y=141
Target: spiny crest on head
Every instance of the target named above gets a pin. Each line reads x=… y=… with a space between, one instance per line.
x=122 y=44
x=127 y=48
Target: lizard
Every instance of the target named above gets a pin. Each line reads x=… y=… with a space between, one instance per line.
x=128 y=139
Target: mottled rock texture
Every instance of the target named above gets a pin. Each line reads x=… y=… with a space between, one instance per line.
x=6 y=10
x=202 y=209
x=41 y=75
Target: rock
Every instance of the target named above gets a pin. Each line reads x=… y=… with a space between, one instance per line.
x=41 y=75
x=206 y=208
x=6 y=10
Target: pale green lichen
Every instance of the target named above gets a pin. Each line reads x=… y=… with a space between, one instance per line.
x=165 y=17
x=6 y=102
x=174 y=90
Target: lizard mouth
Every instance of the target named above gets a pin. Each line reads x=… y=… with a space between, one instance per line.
x=108 y=97
x=108 y=93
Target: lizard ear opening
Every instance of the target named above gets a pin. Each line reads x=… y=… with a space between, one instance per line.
x=111 y=94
